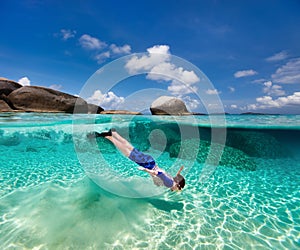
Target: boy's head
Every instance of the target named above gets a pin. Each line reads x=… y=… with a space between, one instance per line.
x=180 y=181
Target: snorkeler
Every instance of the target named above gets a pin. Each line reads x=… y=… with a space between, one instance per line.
x=147 y=163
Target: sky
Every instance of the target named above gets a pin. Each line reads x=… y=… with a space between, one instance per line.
x=249 y=51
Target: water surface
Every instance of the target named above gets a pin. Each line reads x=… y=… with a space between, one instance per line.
x=48 y=201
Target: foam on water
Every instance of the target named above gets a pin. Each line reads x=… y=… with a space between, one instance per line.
x=48 y=202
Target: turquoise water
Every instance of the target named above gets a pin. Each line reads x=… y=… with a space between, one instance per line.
x=62 y=191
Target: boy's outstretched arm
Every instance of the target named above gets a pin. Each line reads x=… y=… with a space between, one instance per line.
x=152 y=172
x=180 y=169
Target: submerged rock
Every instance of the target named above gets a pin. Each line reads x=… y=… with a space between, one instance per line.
x=193 y=149
x=162 y=137
x=11 y=140
x=168 y=105
x=256 y=144
x=145 y=135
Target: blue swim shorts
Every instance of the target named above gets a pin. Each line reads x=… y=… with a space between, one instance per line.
x=142 y=159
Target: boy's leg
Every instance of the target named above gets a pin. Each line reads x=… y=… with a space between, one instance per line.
x=123 y=145
x=144 y=160
x=116 y=135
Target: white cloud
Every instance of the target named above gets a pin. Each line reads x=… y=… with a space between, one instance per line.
x=179 y=88
x=55 y=86
x=159 y=49
x=268 y=84
x=102 y=57
x=126 y=49
x=278 y=57
x=182 y=81
x=168 y=71
x=191 y=104
x=250 y=107
x=114 y=50
x=271 y=89
x=107 y=100
x=288 y=73
x=266 y=102
x=24 y=81
x=67 y=34
x=157 y=65
x=233 y=106
x=293 y=99
x=261 y=80
x=231 y=89
x=212 y=92
x=244 y=73
x=95 y=46
x=91 y=43
x=157 y=55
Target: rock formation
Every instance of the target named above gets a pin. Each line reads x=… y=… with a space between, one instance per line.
x=94 y=109
x=8 y=86
x=168 y=105
x=17 y=98
x=4 y=107
x=39 y=99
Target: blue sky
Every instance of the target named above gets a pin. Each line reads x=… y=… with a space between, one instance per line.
x=250 y=50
